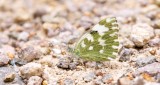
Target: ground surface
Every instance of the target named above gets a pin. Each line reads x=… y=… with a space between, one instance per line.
x=34 y=36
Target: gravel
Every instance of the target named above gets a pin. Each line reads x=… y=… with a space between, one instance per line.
x=35 y=35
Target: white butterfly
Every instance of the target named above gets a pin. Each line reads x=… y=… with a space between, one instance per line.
x=100 y=43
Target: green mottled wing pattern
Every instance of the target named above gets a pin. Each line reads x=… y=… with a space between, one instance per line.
x=100 y=43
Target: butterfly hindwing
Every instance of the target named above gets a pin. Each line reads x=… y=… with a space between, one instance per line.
x=100 y=43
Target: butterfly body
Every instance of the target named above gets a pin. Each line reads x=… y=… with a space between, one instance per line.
x=100 y=43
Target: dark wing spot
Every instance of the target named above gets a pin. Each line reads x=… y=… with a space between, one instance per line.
x=94 y=32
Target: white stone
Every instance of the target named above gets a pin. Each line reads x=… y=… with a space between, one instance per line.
x=23 y=36
x=31 y=69
x=141 y=34
x=34 y=80
x=127 y=43
x=4 y=60
x=57 y=51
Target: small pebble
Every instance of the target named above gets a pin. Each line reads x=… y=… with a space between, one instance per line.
x=144 y=60
x=4 y=60
x=45 y=50
x=154 y=42
x=28 y=54
x=152 y=51
x=57 y=51
x=125 y=55
x=138 y=81
x=157 y=32
x=31 y=69
x=9 y=77
x=106 y=78
x=4 y=39
x=152 y=68
x=141 y=33
x=98 y=81
x=23 y=36
x=89 y=77
x=6 y=49
x=152 y=83
x=125 y=31
x=89 y=4
x=40 y=12
x=64 y=63
x=22 y=16
x=47 y=60
x=128 y=43
x=158 y=77
x=91 y=64
x=68 y=81
x=156 y=24
x=125 y=81
x=73 y=65
x=51 y=29
x=44 y=82
x=157 y=2
x=34 y=80
x=67 y=63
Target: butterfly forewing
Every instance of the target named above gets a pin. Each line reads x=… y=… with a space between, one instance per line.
x=100 y=43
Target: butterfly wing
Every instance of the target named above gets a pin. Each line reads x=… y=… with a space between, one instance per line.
x=100 y=43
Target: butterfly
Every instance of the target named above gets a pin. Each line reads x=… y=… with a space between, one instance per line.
x=100 y=43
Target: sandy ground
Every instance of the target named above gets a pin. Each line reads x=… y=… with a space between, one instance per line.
x=34 y=36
